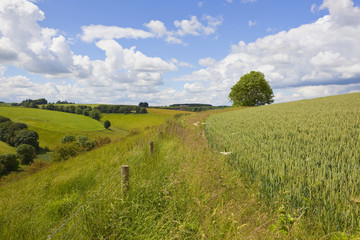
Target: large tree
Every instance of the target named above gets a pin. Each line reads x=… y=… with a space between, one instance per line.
x=251 y=90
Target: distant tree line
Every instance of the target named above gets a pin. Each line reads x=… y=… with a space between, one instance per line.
x=191 y=105
x=93 y=112
x=26 y=143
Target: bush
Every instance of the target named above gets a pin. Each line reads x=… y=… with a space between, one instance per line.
x=68 y=139
x=26 y=153
x=79 y=110
x=27 y=137
x=4 y=127
x=65 y=151
x=37 y=166
x=84 y=143
x=8 y=130
x=4 y=119
x=101 y=141
x=143 y=111
x=8 y=163
x=107 y=124
x=95 y=114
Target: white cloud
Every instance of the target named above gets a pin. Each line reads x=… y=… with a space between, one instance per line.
x=180 y=63
x=196 y=28
x=312 y=58
x=156 y=28
x=207 y=61
x=343 y=12
x=313 y=8
x=94 y=32
x=26 y=45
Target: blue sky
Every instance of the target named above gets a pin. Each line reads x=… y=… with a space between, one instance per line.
x=165 y=52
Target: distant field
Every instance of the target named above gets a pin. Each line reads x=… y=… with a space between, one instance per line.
x=302 y=154
x=52 y=125
x=140 y=121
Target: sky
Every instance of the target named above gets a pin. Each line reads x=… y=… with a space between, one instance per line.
x=165 y=51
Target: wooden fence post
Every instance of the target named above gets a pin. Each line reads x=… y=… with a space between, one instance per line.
x=124 y=178
x=151 y=146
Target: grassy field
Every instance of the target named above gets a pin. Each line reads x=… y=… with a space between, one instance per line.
x=292 y=174
x=53 y=125
x=301 y=155
x=182 y=191
x=4 y=148
x=140 y=121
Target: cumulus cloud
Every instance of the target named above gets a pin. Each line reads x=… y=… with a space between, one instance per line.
x=156 y=28
x=26 y=45
x=96 y=32
x=195 y=27
x=306 y=59
x=207 y=61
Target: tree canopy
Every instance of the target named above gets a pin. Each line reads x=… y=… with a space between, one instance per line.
x=251 y=90
x=107 y=124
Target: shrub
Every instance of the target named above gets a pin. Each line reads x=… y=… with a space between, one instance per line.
x=4 y=119
x=143 y=111
x=101 y=141
x=68 y=139
x=95 y=114
x=27 y=137
x=78 y=110
x=37 y=166
x=84 y=143
x=107 y=124
x=4 y=127
x=65 y=151
x=26 y=153
x=8 y=163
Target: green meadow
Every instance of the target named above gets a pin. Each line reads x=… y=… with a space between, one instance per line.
x=4 y=148
x=53 y=125
x=140 y=121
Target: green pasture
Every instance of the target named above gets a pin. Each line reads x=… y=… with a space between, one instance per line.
x=304 y=156
x=53 y=125
x=4 y=148
x=140 y=121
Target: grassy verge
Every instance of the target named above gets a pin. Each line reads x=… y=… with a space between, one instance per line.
x=183 y=191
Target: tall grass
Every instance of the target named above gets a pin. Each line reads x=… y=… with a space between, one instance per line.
x=182 y=191
x=303 y=155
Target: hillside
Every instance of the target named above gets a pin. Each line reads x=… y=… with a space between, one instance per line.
x=190 y=189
